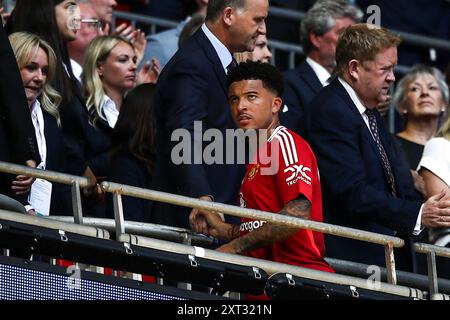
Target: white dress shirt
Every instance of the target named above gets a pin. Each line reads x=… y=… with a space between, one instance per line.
x=110 y=111
x=222 y=51
x=77 y=69
x=359 y=105
x=321 y=73
x=37 y=117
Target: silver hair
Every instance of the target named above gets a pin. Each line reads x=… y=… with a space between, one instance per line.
x=321 y=18
x=416 y=71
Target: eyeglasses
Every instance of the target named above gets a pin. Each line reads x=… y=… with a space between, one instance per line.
x=93 y=23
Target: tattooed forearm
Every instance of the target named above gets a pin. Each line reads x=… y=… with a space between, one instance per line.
x=270 y=232
x=298 y=208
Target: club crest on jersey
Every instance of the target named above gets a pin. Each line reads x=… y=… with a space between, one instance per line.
x=253 y=172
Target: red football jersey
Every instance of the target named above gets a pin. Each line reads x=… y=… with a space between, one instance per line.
x=285 y=169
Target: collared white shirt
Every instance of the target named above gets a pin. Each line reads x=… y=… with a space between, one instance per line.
x=77 y=70
x=321 y=73
x=222 y=51
x=110 y=111
x=37 y=117
x=354 y=96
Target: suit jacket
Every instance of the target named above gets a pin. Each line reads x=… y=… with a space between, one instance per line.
x=56 y=161
x=355 y=190
x=17 y=140
x=302 y=85
x=192 y=87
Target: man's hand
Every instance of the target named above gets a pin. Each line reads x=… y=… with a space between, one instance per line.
x=139 y=42
x=436 y=211
x=197 y=219
x=22 y=184
x=149 y=73
x=123 y=30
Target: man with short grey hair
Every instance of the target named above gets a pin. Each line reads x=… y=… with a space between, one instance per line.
x=319 y=31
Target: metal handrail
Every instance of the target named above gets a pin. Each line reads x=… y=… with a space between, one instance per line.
x=118 y=190
x=404 y=278
x=75 y=181
x=151 y=230
x=269 y=266
x=44 y=174
x=251 y=213
x=56 y=225
x=152 y=21
x=432 y=251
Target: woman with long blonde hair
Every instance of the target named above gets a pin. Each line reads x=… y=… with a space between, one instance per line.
x=37 y=64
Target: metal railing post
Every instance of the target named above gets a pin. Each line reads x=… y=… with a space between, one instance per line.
x=432 y=273
x=118 y=214
x=390 y=263
x=76 y=203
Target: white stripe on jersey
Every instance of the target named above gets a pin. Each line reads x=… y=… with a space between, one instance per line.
x=287 y=144
x=281 y=143
x=292 y=144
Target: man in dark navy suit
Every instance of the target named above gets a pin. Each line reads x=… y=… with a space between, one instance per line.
x=192 y=87
x=319 y=31
x=17 y=141
x=363 y=186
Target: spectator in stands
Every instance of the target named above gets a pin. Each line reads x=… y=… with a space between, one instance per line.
x=53 y=22
x=260 y=53
x=17 y=141
x=192 y=87
x=133 y=153
x=422 y=98
x=162 y=46
x=254 y=93
x=37 y=64
x=361 y=179
x=105 y=10
x=90 y=27
x=109 y=72
x=319 y=31
x=434 y=167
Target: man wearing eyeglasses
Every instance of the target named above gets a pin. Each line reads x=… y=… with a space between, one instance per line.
x=90 y=27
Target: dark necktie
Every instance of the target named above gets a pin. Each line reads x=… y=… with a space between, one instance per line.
x=233 y=64
x=386 y=165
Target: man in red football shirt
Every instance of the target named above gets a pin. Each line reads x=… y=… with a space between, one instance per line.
x=282 y=178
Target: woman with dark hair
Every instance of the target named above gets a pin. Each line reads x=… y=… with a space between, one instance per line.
x=132 y=156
